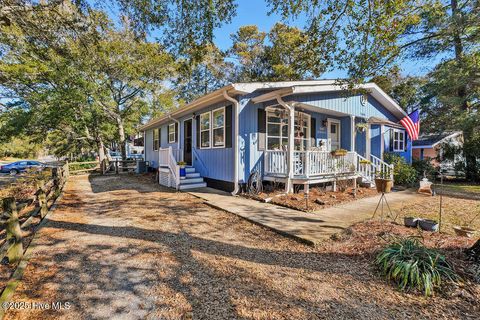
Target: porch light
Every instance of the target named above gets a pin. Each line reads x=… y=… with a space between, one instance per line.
x=325 y=122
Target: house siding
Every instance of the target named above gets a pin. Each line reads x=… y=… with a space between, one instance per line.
x=218 y=162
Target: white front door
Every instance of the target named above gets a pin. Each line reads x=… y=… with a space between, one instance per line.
x=334 y=133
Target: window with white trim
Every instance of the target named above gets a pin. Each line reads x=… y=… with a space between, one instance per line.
x=205 y=130
x=277 y=130
x=398 y=140
x=171 y=133
x=155 y=139
x=218 y=128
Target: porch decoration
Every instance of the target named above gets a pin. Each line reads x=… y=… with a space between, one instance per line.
x=362 y=126
x=183 y=172
x=339 y=152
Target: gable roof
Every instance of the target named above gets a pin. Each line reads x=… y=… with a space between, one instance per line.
x=433 y=139
x=280 y=88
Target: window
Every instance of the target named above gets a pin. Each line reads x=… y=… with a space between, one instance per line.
x=218 y=128
x=205 y=130
x=398 y=140
x=171 y=133
x=277 y=130
x=155 y=139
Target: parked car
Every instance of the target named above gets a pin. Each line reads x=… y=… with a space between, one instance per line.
x=20 y=166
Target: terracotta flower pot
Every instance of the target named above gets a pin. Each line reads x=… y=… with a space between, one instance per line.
x=383 y=185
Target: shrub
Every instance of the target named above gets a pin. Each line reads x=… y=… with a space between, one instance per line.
x=424 y=166
x=403 y=173
x=411 y=265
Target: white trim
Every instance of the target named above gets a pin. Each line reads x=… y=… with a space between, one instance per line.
x=212 y=128
x=329 y=121
x=382 y=141
x=353 y=133
x=204 y=130
x=169 y=133
x=281 y=137
x=398 y=149
x=423 y=147
x=294 y=87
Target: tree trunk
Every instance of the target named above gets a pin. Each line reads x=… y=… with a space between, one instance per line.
x=121 y=137
x=458 y=45
x=101 y=149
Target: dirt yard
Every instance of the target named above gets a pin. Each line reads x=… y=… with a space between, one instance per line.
x=318 y=198
x=123 y=247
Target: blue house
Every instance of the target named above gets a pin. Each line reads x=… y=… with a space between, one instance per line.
x=295 y=132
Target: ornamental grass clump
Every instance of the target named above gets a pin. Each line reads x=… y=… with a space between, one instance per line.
x=411 y=265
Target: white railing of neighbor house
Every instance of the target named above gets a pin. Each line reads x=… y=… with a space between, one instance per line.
x=166 y=158
x=276 y=163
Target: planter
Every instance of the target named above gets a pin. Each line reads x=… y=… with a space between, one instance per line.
x=428 y=225
x=383 y=185
x=183 y=172
x=339 y=153
x=464 y=231
x=410 y=222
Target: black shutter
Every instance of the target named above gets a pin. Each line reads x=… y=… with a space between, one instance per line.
x=159 y=137
x=168 y=133
x=390 y=147
x=262 y=130
x=228 y=126
x=405 y=140
x=313 y=132
x=176 y=132
x=197 y=128
x=153 y=139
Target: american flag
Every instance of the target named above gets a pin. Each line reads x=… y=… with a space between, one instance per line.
x=412 y=124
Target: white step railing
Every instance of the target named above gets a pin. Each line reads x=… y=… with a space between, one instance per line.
x=382 y=169
x=166 y=158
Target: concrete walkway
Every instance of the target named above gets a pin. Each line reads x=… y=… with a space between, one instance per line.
x=311 y=228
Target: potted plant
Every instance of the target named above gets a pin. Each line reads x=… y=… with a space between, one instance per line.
x=362 y=126
x=383 y=183
x=339 y=152
x=365 y=162
x=183 y=172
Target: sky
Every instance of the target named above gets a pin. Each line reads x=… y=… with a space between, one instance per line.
x=256 y=12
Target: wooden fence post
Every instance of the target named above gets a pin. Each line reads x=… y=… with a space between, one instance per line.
x=42 y=199
x=14 y=233
x=67 y=169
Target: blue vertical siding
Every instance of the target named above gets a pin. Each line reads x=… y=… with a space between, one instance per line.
x=376 y=138
x=407 y=154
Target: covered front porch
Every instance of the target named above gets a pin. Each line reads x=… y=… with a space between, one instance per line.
x=306 y=144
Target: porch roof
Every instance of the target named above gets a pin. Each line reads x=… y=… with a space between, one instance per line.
x=372 y=88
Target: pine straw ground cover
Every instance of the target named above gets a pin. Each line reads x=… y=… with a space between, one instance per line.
x=318 y=198
x=124 y=247
x=455 y=211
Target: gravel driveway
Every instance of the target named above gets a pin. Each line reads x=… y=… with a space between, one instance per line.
x=122 y=247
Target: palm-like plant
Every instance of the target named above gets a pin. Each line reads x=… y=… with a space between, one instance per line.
x=410 y=264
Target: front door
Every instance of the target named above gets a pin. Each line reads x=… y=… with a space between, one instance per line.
x=334 y=134
x=187 y=142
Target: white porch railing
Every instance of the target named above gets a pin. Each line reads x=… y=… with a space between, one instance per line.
x=308 y=164
x=166 y=158
x=276 y=163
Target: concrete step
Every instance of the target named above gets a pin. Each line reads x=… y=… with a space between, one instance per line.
x=192 y=185
x=192 y=175
x=191 y=180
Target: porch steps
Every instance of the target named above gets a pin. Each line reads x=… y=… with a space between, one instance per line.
x=192 y=180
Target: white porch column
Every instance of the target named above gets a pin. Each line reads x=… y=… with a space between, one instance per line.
x=368 y=142
x=291 y=147
x=354 y=132
x=382 y=141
